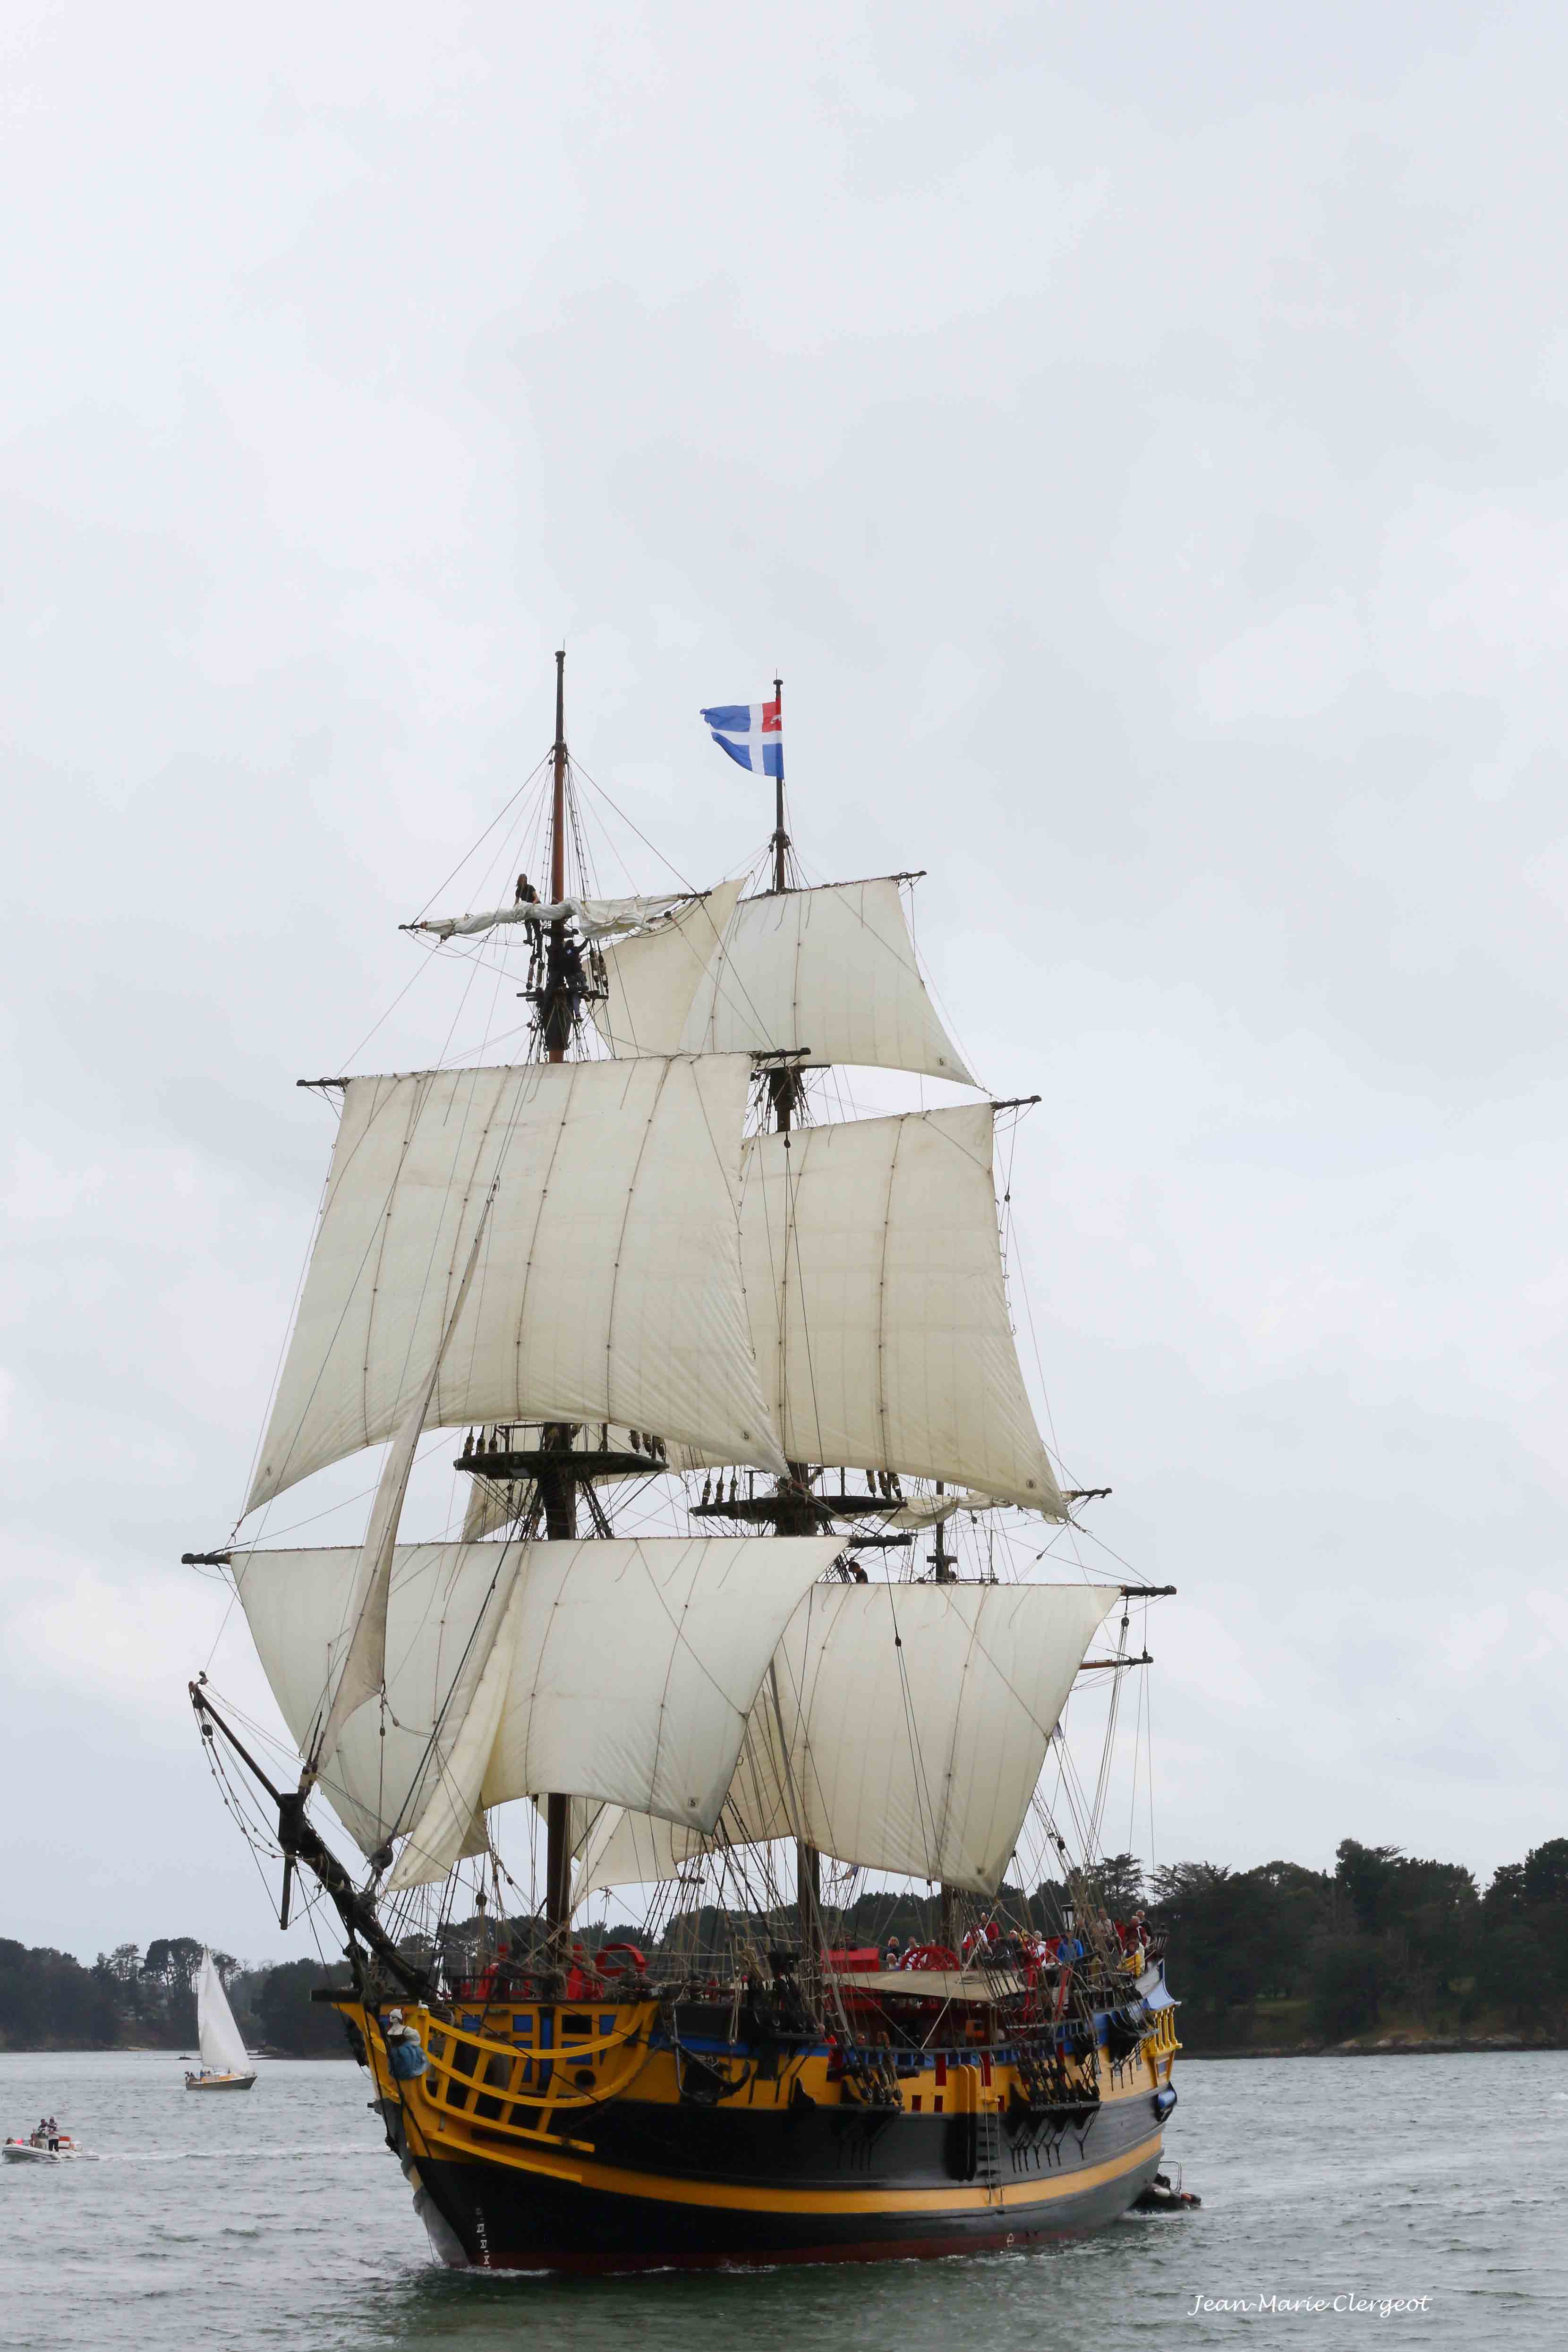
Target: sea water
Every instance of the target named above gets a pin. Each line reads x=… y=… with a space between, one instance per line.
x=1346 y=2200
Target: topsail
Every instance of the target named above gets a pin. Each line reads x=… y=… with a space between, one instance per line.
x=607 y=1286
x=827 y=974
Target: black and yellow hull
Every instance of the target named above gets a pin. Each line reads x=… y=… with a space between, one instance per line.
x=619 y=2152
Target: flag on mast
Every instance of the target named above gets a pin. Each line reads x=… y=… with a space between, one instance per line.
x=751 y=733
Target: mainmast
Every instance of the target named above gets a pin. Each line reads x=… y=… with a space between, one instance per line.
x=797 y=1514
x=558 y=1489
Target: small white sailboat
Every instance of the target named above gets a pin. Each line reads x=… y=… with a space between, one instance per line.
x=225 y=2062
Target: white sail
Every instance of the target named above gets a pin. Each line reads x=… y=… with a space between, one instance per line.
x=364 y=1662
x=608 y=1287
x=653 y=980
x=446 y=1827
x=617 y=1848
x=917 y=1718
x=223 y=2050
x=832 y=970
x=444 y=1603
x=638 y=1664
x=632 y=1669
x=595 y=918
x=877 y=1311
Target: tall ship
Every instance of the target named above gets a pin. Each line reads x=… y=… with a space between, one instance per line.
x=717 y=1880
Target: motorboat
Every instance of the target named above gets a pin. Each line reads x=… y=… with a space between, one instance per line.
x=36 y=2149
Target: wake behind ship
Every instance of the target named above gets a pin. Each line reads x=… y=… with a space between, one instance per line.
x=657 y=1284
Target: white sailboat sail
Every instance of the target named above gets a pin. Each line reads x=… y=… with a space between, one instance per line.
x=608 y=1287
x=222 y=2048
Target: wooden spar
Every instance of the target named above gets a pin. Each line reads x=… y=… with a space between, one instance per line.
x=558 y=1490
x=558 y=1006
x=780 y=839
x=796 y=1514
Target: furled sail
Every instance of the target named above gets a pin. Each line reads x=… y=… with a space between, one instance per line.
x=631 y=1667
x=608 y=1287
x=594 y=917
x=653 y=979
x=219 y=2039
x=874 y=1289
x=917 y=1718
x=830 y=969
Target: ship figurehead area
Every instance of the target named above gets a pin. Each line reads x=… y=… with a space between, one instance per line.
x=762 y=1620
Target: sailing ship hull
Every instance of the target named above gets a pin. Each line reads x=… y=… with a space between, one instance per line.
x=799 y=2170
x=220 y=2082
x=609 y=2219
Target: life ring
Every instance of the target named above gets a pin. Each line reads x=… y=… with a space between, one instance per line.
x=930 y=1955
x=620 y=1960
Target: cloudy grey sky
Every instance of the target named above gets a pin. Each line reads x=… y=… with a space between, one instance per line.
x=1138 y=436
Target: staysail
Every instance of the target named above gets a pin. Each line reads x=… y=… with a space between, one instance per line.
x=223 y=2050
x=917 y=1718
x=631 y=1669
x=608 y=1286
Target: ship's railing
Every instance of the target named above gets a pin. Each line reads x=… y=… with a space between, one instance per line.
x=551 y=2066
x=1163 y=2040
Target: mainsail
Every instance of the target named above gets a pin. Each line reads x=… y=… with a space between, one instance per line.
x=608 y=1287
x=630 y=1669
x=917 y=1719
x=222 y=2048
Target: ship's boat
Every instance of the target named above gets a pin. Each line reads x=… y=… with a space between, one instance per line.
x=225 y=2062
x=655 y=1282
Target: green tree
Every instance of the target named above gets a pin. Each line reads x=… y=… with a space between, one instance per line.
x=291 y=2020
x=1512 y=1971
x=1351 y=1978
x=1546 y=1872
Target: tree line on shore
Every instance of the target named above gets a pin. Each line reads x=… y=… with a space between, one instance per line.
x=1278 y=1955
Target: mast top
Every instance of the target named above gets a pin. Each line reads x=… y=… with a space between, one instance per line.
x=780 y=839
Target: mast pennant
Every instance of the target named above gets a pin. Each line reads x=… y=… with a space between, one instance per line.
x=607 y=1287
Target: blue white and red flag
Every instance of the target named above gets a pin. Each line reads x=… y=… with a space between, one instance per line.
x=751 y=733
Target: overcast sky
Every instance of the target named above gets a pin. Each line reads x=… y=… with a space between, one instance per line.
x=1137 y=436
